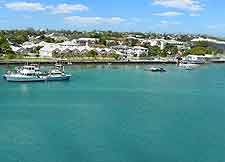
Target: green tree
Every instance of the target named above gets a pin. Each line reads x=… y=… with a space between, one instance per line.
x=103 y=41
x=154 y=51
x=4 y=46
x=170 y=50
x=92 y=53
x=115 y=56
x=18 y=37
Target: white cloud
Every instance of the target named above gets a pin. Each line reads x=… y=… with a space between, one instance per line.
x=56 y=9
x=194 y=14
x=165 y=23
x=217 y=27
x=93 y=20
x=26 y=17
x=191 y=5
x=68 y=8
x=168 y=14
x=28 y=6
x=3 y=21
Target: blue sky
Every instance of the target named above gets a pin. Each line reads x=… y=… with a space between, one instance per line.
x=174 y=16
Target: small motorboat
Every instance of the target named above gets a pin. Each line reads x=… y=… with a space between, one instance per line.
x=58 y=74
x=188 y=66
x=69 y=63
x=155 y=69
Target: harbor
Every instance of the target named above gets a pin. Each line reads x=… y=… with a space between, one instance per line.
x=123 y=107
x=69 y=62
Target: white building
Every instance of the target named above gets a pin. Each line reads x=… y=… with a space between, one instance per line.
x=68 y=44
x=19 y=50
x=86 y=41
x=104 y=51
x=131 y=51
x=178 y=44
x=48 y=50
x=207 y=40
x=201 y=58
x=151 y=42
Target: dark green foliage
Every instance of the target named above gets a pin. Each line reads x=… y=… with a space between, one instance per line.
x=4 y=46
x=91 y=53
x=116 y=56
x=154 y=51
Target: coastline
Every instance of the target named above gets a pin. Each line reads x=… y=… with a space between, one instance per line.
x=20 y=62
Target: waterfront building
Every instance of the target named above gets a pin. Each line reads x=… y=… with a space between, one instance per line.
x=19 y=50
x=130 y=51
x=86 y=41
x=48 y=50
x=201 y=58
x=200 y=39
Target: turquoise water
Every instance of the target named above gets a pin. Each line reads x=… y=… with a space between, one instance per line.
x=116 y=114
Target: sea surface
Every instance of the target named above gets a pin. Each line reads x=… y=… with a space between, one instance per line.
x=116 y=114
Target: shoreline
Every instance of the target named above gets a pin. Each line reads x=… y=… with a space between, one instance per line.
x=48 y=62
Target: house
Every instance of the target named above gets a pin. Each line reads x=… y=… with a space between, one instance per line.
x=104 y=51
x=86 y=41
x=201 y=58
x=19 y=50
x=135 y=51
x=57 y=36
x=29 y=46
x=84 y=49
x=178 y=44
x=207 y=40
x=140 y=50
x=47 y=51
x=68 y=44
x=120 y=48
x=66 y=51
x=151 y=42
x=42 y=44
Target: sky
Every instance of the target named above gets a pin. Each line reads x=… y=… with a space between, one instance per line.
x=170 y=16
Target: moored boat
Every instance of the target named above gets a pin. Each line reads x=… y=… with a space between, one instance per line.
x=32 y=73
x=25 y=74
x=188 y=66
x=58 y=74
x=155 y=69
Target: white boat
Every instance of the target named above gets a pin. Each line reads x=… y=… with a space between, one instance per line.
x=25 y=74
x=6 y=74
x=70 y=63
x=188 y=66
x=58 y=74
x=33 y=74
x=155 y=69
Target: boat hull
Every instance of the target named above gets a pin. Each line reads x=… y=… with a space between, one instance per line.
x=24 y=79
x=58 y=78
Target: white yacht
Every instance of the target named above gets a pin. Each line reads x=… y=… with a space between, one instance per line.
x=25 y=74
